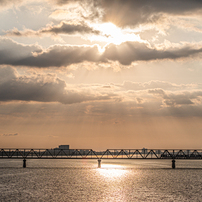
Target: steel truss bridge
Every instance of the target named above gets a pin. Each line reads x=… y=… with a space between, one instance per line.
x=107 y=154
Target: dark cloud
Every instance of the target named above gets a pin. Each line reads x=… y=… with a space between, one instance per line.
x=62 y=28
x=16 y=54
x=134 y=12
x=128 y=12
x=65 y=27
x=178 y=98
x=129 y=52
x=10 y=134
x=58 y=56
x=185 y=98
x=158 y=92
x=11 y=52
x=14 y=87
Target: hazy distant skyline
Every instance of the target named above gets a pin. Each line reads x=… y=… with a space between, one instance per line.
x=101 y=73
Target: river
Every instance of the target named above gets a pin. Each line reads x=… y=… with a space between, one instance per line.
x=116 y=180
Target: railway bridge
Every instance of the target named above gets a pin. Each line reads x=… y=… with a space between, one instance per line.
x=173 y=154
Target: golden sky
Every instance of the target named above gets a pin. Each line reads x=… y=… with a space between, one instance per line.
x=101 y=73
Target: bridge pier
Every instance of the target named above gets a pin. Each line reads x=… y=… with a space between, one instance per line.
x=173 y=164
x=99 y=163
x=24 y=163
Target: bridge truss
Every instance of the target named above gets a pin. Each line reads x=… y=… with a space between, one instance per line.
x=107 y=154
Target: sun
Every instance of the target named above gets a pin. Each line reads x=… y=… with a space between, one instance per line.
x=110 y=33
x=110 y=30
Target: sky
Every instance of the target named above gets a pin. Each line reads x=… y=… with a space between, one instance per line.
x=101 y=74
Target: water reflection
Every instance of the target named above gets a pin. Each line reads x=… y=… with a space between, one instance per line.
x=112 y=171
x=117 y=180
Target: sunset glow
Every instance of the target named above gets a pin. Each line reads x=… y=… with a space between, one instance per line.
x=100 y=74
x=113 y=34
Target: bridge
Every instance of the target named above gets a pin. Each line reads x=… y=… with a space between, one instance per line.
x=172 y=154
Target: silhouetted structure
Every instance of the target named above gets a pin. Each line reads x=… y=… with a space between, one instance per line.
x=63 y=153
x=63 y=147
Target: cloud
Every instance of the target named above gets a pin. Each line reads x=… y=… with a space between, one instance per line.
x=157 y=84
x=86 y=10
x=60 y=56
x=41 y=89
x=135 y=12
x=129 y=52
x=54 y=96
x=7 y=3
x=16 y=54
x=9 y=135
x=178 y=98
x=11 y=52
x=62 y=28
x=62 y=2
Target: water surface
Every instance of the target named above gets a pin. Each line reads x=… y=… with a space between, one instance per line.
x=117 y=180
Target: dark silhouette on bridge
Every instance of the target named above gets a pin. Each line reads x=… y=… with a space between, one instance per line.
x=107 y=154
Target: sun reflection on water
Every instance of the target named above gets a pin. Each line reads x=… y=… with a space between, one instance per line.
x=112 y=171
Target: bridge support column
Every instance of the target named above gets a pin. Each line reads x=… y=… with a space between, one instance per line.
x=173 y=164
x=24 y=163
x=99 y=163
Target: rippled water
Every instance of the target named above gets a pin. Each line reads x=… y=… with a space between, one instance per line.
x=117 y=180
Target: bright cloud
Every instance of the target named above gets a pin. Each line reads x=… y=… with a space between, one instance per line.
x=85 y=71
